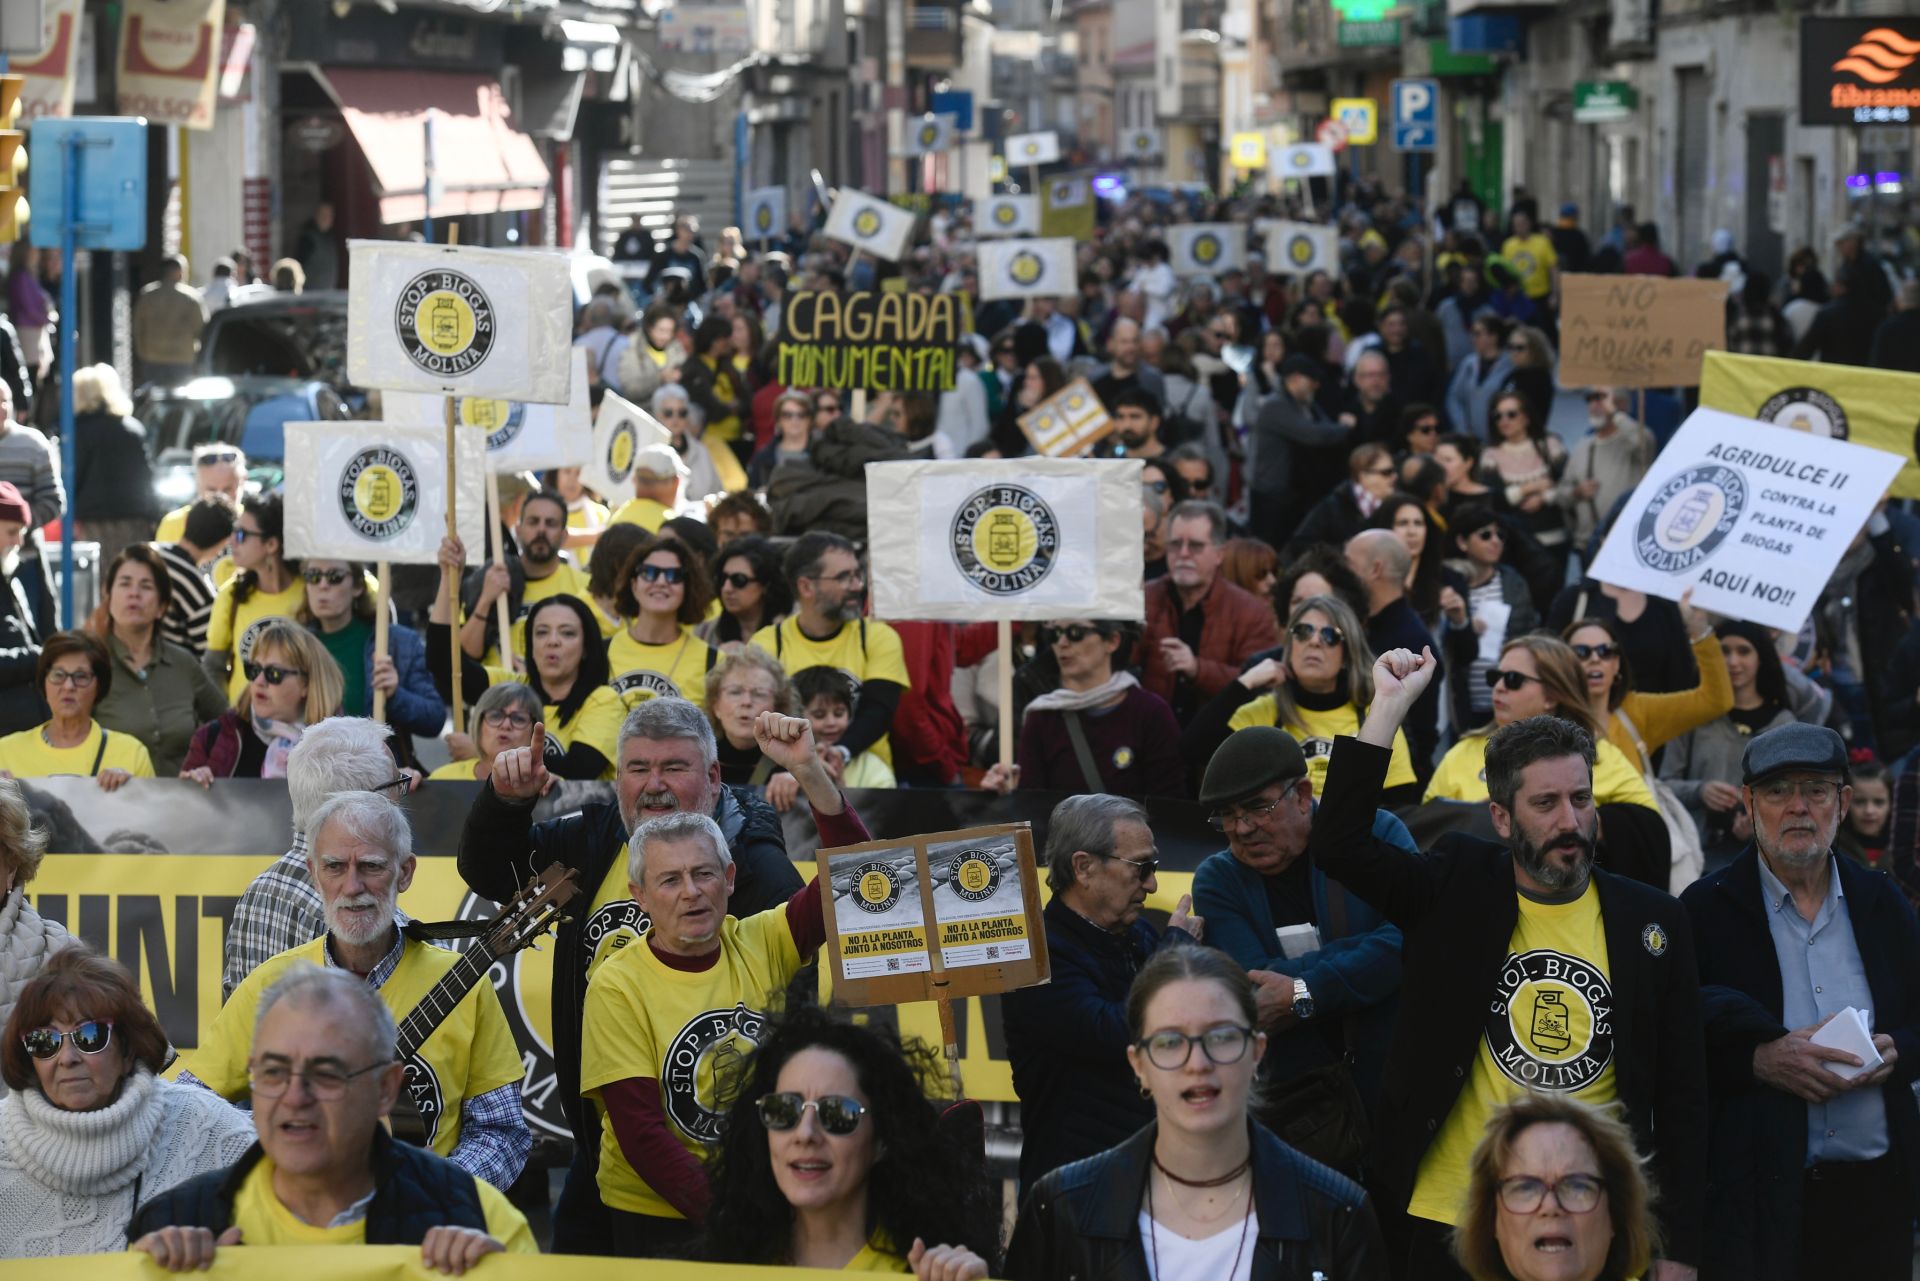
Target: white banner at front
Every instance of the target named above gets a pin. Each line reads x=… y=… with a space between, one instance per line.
x=1033 y=538
x=520 y=436
x=460 y=321
x=1753 y=517
x=620 y=430
x=378 y=491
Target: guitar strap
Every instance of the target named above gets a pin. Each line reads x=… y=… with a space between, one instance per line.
x=439 y=931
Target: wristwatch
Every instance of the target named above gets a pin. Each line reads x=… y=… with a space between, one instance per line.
x=1302 y=1000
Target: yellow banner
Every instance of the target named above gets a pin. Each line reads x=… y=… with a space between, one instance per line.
x=402 y=1263
x=165 y=918
x=1874 y=407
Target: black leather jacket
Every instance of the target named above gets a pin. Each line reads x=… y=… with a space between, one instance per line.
x=1082 y=1222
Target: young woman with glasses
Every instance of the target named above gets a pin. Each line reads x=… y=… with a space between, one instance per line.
x=834 y=1157
x=1203 y=1192
x=1496 y=600
x=662 y=595
x=1704 y=766
x=502 y=719
x=1346 y=511
x=1640 y=723
x=292 y=683
x=266 y=586
x=744 y=684
x=1316 y=686
x=793 y=428
x=1529 y=462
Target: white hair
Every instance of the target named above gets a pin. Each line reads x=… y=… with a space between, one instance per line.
x=310 y=987
x=682 y=826
x=340 y=754
x=367 y=817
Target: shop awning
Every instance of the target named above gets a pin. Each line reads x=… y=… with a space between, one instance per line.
x=482 y=162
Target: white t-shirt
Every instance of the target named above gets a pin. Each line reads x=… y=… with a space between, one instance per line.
x=1208 y=1259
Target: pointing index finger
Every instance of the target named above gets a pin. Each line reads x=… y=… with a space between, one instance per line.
x=539 y=742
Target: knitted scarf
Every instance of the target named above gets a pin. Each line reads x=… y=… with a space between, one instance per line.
x=1084 y=700
x=82 y=1153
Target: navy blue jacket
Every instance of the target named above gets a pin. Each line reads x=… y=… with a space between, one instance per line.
x=414 y=707
x=1068 y=1039
x=1757 y=1134
x=1354 y=977
x=1398 y=626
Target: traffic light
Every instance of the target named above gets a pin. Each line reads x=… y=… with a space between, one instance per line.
x=13 y=161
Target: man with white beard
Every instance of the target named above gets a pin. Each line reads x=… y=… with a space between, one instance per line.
x=668 y=763
x=464 y=1080
x=20 y=703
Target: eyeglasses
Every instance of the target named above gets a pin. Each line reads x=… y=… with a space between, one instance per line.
x=1072 y=633
x=400 y=782
x=226 y=456
x=1491 y=534
x=1145 y=867
x=1170 y=1050
x=1512 y=680
x=241 y=534
x=845 y=578
x=499 y=717
x=1155 y=487
x=324 y=1082
x=1576 y=1193
x=1506 y=414
x=1604 y=650
x=739 y=582
x=1327 y=636
x=1189 y=545
x=661 y=573
x=673 y=413
x=1778 y=791
x=1380 y=471
x=837 y=1114
x=1423 y=429
x=331 y=577
x=64 y=676
x=793 y=413
x=1245 y=816
x=90 y=1037
x=827 y=407
x=1517 y=346
x=272 y=671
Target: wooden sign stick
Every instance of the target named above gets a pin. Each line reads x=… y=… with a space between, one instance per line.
x=384 y=576
x=503 y=616
x=453 y=583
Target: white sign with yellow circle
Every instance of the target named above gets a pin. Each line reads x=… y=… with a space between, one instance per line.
x=378 y=491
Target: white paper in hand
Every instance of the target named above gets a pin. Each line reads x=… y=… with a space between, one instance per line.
x=1493 y=636
x=1850 y=1030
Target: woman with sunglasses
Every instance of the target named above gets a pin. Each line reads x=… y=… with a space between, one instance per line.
x=1704 y=766
x=1531 y=355
x=1496 y=600
x=501 y=720
x=1099 y=731
x=91 y=1130
x=1528 y=463
x=712 y=467
x=832 y=1156
x=1638 y=722
x=1317 y=686
x=1203 y=1192
x=340 y=611
x=793 y=426
x=1417 y=432
x=663 y=594
x=161 y=694
x=73 y=672
x=1251 y=564
x=1345 y=512
x=266 y=585
x=753 y=593
x=292 y=683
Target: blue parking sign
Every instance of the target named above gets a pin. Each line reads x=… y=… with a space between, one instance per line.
x=1416 y=115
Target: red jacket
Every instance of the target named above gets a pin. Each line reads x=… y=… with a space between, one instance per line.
x=1238 y=626
x=928 y=735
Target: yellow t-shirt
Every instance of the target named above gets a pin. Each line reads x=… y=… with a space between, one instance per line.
x=587 y=515
x=676 y=669
x=458 y=771
x=173 y=525
x=1549 y=1027
x=263 y=1220
x=643 y=512
x=873 y=1258
x=26 y=755
x=614 y=920
x=563 y=581
x=1534 y=259
x=229 y=621
x=865 y=650
x=1462 y=775
x=470 y=1053
x=646 y=1019
x=1315 y=732
x=597 y=724
x=725 y=380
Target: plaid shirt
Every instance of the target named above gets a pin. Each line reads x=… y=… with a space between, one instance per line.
x=494 y=1138
x=278 y=912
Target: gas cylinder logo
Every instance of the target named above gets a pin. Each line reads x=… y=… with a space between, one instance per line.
x=1005 y=539
x=1690 y=515
x=379 y=493
x=445 y=323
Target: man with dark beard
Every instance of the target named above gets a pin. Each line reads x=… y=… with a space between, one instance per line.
x=1526 y=968
x=540 y=533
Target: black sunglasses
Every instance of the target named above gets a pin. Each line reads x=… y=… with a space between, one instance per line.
x=1604 y=649
x=90 y=1037
x=1491 y=534
x=331 y=577
x=739 y=582
x=212 y=460
x=1072 y=633
x=836 y=1113
x=1327 y=636
x=658 y=573
x=1511 y=679
x=272 y=671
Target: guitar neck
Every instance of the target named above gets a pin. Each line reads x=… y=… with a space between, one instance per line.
x=441 y=999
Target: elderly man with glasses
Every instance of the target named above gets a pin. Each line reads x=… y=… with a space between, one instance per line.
x=1813 y=1139
x=1067 y=1039
x=323 y=1076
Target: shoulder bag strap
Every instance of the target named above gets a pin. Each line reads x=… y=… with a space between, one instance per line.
x=100 y=755
x=1639 y=744
x=1082 y=753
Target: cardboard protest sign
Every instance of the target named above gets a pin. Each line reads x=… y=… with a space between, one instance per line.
x=1066 y=208
x=1033 y=538
x=520 y=436
x=620 y=430
x=973 y=894
x=1202 y=248
x=1638 y=331
x=929 y=135
x=1753 y=516
x=1027 y=269
x=1302 y=247
x=766 y=213
x=1874 y=407
x=873 y=341
x=1067 y=423
x=870 y=223
x=460 y=322
x=1033 y=148
x=378 y=491
x=1302 y=160
x=1009 y=216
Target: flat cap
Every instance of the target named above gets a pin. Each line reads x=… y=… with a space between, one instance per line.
x=1249 y=760
x=1798 y=746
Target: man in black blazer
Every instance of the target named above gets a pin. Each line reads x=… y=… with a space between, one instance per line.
x=1526 y=967
x=1813 y=1163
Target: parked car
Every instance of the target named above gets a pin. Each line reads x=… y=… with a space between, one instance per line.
x=289 y=336
x=248 y=410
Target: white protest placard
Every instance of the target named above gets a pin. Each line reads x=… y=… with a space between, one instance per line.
x=1302 y=247
x=1027 y=269
x=1751 y=516
x=1141 y=145
x=870 y=223
x=1009 y=216
x=1033 y=148
x=766 y=213
x=378 y=491
x=1032 y=538
x=1301 y=160
x=929 y=135
x=1202 y=248
x=460 y=321
x=520 y=436
x=620 y=431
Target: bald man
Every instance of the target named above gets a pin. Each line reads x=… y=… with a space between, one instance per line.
x=1383 y=563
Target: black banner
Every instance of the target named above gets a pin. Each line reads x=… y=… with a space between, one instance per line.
x=884 y=341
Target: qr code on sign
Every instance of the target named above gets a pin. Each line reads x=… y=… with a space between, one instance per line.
x=993 y=952
x=893 y=963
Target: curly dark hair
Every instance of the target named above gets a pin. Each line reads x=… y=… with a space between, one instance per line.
x=698 y=584
x=924 y=1182
x=1330 y=565
x=609 y=556
x=776 y=600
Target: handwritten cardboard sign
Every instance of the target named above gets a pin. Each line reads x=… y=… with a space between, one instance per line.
x=1067 y=423
x=1638 y=331
x=934 y=917
x=881 y=341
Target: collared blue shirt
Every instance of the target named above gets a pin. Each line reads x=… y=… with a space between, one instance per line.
x=1821 y=974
